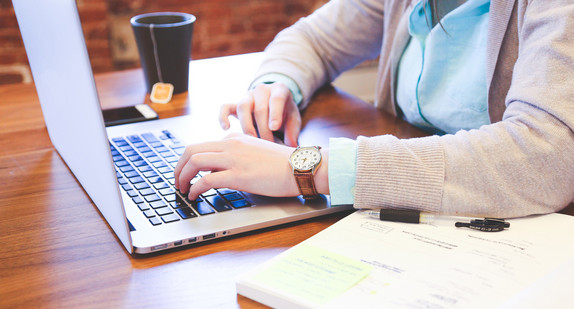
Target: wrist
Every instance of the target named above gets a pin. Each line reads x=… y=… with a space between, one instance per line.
x=271 y=78
x=306 y=162
x=321 y=176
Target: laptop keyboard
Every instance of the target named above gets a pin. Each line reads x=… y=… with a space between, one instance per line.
x=144 y=167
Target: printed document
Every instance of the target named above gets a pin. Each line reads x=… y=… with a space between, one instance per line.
x=363 y=262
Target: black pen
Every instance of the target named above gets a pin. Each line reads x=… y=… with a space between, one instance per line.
x=416 y=216
x=411 y=216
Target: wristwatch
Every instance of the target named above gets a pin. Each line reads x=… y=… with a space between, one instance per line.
x=305 y=161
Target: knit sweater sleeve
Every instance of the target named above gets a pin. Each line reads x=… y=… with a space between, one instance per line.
x=318 y=48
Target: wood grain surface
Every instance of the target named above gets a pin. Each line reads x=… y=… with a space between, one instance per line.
x=56 y=250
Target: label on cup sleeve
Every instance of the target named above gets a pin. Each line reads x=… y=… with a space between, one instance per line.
x=161 y=93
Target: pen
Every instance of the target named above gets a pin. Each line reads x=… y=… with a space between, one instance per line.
x=410 y=216
x=416 y=216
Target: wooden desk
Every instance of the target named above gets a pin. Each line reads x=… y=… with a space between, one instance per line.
x=56 y=250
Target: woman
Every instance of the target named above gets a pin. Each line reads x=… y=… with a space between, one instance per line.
x=493 y=80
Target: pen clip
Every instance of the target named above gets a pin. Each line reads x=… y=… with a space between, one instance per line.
x=485 y=225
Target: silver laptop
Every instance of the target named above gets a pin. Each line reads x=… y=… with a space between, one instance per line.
x=127 y=170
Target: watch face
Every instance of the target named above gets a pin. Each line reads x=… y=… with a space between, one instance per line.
x=305 y=158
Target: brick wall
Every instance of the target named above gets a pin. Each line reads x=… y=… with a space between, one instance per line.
x=223 y=27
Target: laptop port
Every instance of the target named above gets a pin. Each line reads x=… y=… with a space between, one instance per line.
x=159 y=247
x=208 y=236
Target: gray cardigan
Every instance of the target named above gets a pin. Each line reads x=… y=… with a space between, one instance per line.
x=523 y=163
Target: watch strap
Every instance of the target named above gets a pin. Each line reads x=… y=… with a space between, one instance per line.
x=306 y=184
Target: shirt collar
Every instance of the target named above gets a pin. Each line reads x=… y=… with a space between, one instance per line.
x=419 y=23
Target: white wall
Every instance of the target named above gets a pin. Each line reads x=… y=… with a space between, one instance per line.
x=359 y=81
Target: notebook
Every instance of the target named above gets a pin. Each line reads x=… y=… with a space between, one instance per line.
x=127 y=170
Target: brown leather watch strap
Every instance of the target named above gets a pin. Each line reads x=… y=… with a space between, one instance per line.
x=306 y=184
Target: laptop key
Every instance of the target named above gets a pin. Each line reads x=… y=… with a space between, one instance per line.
x=233 y=196
x=149 y=137
x=136 y=179
x=125 y=169
x=164 y=211
x=159 y=164
x=177 y=146
x=147 y=152
x=144 y=207
x=121 y=163
x=161 y=148
x=170 y=218
x=134 y=138
x=121 y=143
x=166 y=191
x=186 y=213
x=155 y=221
x=170 y=197
x=141 y=185
x=158 y=204
x=126 y=148
x=145 y=168
x=203 y=208
x=154 y=159
x=149 y=214
x=150 y=174
x=148 y=191
x=139 y=163
x=131 y=174
x=152 y=198
x=168 y=134
x=134 y=158
x=240 y=203
x=218 y=203
x=160 y=185
x=172 y=159
x=140 y=145
x=164 y=170
x=178 y=203
x=155 y=179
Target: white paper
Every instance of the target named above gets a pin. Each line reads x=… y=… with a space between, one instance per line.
x=441 y=266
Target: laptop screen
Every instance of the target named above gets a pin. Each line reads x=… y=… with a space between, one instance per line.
x=60 y=65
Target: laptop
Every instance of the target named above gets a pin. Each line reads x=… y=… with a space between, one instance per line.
x=127 y=170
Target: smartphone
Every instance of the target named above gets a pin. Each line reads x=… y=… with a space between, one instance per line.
x=123 y=115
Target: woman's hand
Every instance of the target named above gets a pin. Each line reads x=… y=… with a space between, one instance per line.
x=265 y=109
x=238 y=162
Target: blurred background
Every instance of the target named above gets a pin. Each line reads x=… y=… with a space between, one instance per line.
x=223 y=27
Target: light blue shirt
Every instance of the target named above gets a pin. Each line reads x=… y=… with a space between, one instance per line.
x=441 y=80
x=441 y=85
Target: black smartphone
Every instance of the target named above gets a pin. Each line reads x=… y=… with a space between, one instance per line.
x=123 y=115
